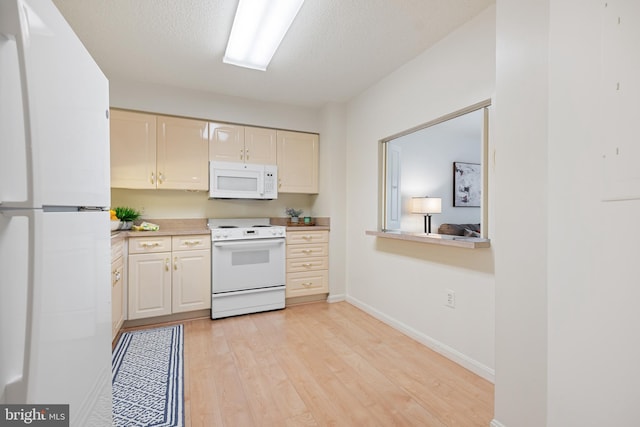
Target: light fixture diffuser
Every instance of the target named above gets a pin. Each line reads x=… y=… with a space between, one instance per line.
x=258 y=30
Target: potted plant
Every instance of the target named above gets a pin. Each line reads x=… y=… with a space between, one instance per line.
x=126 y=216
x=294 y=214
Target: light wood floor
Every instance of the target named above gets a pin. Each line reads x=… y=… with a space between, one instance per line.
x=323 y=365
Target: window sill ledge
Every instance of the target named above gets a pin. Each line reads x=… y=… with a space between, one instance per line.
x=434 y=239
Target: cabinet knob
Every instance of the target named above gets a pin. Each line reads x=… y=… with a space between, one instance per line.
x=175 y=263
x=166 y=264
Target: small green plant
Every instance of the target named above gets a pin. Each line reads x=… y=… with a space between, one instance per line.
x=292 y=212
x=126 y=214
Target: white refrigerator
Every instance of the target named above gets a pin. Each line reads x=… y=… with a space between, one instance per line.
x=55 y=295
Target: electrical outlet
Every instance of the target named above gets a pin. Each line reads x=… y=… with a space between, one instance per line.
x=451 y=299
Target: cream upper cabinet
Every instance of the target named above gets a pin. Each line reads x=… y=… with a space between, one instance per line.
x=150 y=151
x=133 y=149
x=182 y=153
x=242 y=144
x=297 y=162
x=260 y=145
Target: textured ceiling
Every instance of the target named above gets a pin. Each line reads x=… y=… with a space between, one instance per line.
x=334 y=50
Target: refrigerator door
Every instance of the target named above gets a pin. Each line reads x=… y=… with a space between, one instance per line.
x=61 y=323
x=59 y=156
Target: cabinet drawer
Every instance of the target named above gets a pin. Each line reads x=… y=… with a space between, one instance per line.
x=299 y=237
x=302 y=251
x=141 y=245
x=296 y=265
x=117 y=248
x=191 y=242
x=300 y=284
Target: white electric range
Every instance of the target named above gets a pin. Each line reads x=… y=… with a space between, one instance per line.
x=247 y=266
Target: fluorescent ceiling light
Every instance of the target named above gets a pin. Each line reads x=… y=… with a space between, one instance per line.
x=258 y=29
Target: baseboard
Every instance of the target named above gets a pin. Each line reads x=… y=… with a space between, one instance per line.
x=496 y=423
x=336 y=298
x=448 y=352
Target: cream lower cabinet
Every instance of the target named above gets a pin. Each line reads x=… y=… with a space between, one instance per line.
x=168 y=275
x=117 y=285
x=307 y=263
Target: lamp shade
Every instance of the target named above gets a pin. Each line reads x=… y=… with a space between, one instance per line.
x=426 y=205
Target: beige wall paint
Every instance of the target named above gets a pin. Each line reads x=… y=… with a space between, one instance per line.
x=400 y=282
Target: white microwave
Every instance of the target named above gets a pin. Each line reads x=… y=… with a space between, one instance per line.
x=228 y=180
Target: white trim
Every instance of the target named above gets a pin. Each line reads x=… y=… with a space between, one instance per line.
x=336 y=298
x=496 y=423
x=448 y=352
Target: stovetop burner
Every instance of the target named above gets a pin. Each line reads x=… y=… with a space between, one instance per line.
x=244 y=228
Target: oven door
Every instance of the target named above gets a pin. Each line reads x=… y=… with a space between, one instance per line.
x=247 y=264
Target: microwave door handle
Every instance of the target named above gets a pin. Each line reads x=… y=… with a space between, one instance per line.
x=261 y=184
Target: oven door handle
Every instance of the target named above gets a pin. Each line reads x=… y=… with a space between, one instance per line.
x=250 y=243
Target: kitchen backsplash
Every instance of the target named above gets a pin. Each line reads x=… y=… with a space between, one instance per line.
x=193 y=204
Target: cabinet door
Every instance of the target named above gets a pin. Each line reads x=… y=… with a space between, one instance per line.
x=226 y=142
x=191 y=280
x=133 y=150
x=260 y=145
x=183 y=150
x=117 y=295
x=149 y=285
x=297 y=162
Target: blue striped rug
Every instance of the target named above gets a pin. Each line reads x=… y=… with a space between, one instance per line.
x=147 y=378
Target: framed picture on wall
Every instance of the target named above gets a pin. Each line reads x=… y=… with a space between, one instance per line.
x=467 y=187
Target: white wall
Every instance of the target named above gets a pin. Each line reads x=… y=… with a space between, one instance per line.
x=567 y=347
x=519 y=134
x=594 y=285
x=404 y=282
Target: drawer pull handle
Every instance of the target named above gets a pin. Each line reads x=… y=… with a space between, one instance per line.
x=307 y=264
x=175 y=263
x=307 y=237
x=166 y=264
x=306 y=284
x=191 y=242
x=149 y=245
x=307 y=251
